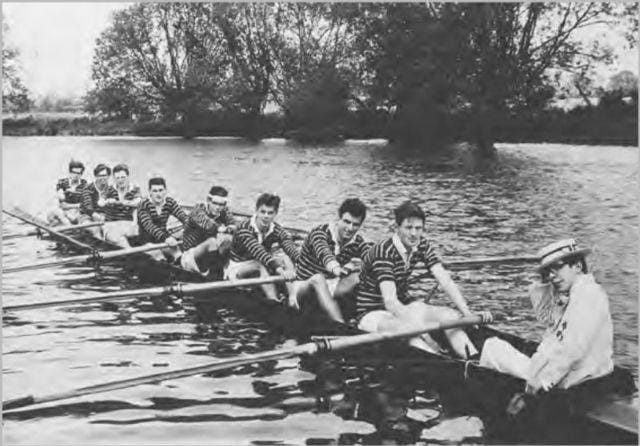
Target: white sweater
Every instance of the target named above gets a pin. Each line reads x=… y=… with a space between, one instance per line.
x=578 y=345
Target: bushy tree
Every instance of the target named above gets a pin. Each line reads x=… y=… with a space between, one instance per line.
x=15 y=96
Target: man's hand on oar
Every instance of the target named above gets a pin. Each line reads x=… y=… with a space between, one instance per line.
x=179 y=290
x=324 y=345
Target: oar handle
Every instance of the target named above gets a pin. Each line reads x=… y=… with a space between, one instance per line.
x=368 y=338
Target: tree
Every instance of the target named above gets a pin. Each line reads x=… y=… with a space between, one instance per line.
x=625 y=81
x=15 y=96
x=160 y=58
x=485 y=59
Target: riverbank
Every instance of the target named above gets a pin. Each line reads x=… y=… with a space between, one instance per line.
x=584 y=126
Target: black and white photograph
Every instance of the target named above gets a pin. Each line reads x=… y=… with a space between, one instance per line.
x=313 y=223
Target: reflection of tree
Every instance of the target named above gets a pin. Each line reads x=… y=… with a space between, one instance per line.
x=15 y=96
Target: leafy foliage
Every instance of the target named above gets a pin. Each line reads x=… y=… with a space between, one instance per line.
x=15 y=96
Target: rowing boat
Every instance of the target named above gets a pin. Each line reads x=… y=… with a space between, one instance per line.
x=601 y=407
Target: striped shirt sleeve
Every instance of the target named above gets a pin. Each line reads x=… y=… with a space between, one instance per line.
x=428 y=254
x=199 y=218
x=177 y=211
x=147 y=224
x=248 y=240
x=288 y=245
x=320 y=246
x=86 y=206
x=382 y=266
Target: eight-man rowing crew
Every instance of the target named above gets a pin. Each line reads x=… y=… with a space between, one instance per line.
x=337 y=268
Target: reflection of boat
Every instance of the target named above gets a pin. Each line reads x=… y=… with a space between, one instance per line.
x=602 y=407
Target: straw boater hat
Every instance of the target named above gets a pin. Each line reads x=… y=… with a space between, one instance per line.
x=560 y=250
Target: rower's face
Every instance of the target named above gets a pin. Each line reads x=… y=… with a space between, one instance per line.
x=562 y=275
x=410 y=231
x=121 y=178
x=157 y=193
x=102 y=178
x=75 y=175
x=265 y=216
x=348 y=225
x=215 y=204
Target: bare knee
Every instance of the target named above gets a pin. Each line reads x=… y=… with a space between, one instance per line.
x=316 y=280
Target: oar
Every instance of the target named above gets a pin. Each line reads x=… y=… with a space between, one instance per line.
x=300 y=232
x=67 y=228
x=490 y=260
x=178 y=289
x=93 y=257
x=297 y=231
x=21 y=215
x=479 y=261
x=310 y=348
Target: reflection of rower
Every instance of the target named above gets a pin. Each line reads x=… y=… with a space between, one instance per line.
x=207 y=232
x=578 y=343
x=69 y=195
x=153 y=215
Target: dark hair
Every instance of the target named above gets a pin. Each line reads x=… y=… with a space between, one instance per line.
x=408 y=210
x=157 y=181
x=121 y=167
x=101 y=167
x=218 y=190
x=575 y=260
x=272 y=201
x=73 y=164
x=353 y=206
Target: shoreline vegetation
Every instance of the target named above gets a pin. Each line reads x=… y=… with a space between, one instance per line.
x=616 y=125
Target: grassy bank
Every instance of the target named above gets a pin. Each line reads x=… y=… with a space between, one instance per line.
x=595 y=125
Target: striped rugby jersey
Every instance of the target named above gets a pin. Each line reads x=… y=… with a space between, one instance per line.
x=247 y=246
x=118 y=211
x=71 y=196
x=90 y=197
x=153 y=226
x=200 y=225
x=384 y=262
x=319 y=249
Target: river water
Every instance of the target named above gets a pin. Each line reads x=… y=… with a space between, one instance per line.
x=533 y=194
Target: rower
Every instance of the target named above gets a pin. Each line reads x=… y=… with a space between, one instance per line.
x=578 y=342
x=254 y=246
x=328 y=266
x=119 y=208
x=207 y=232
x=153 y=214
x=94 y=198
x=69 y=196
x=382 y=303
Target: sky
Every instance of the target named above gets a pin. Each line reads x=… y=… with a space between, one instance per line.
x=56 y=42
